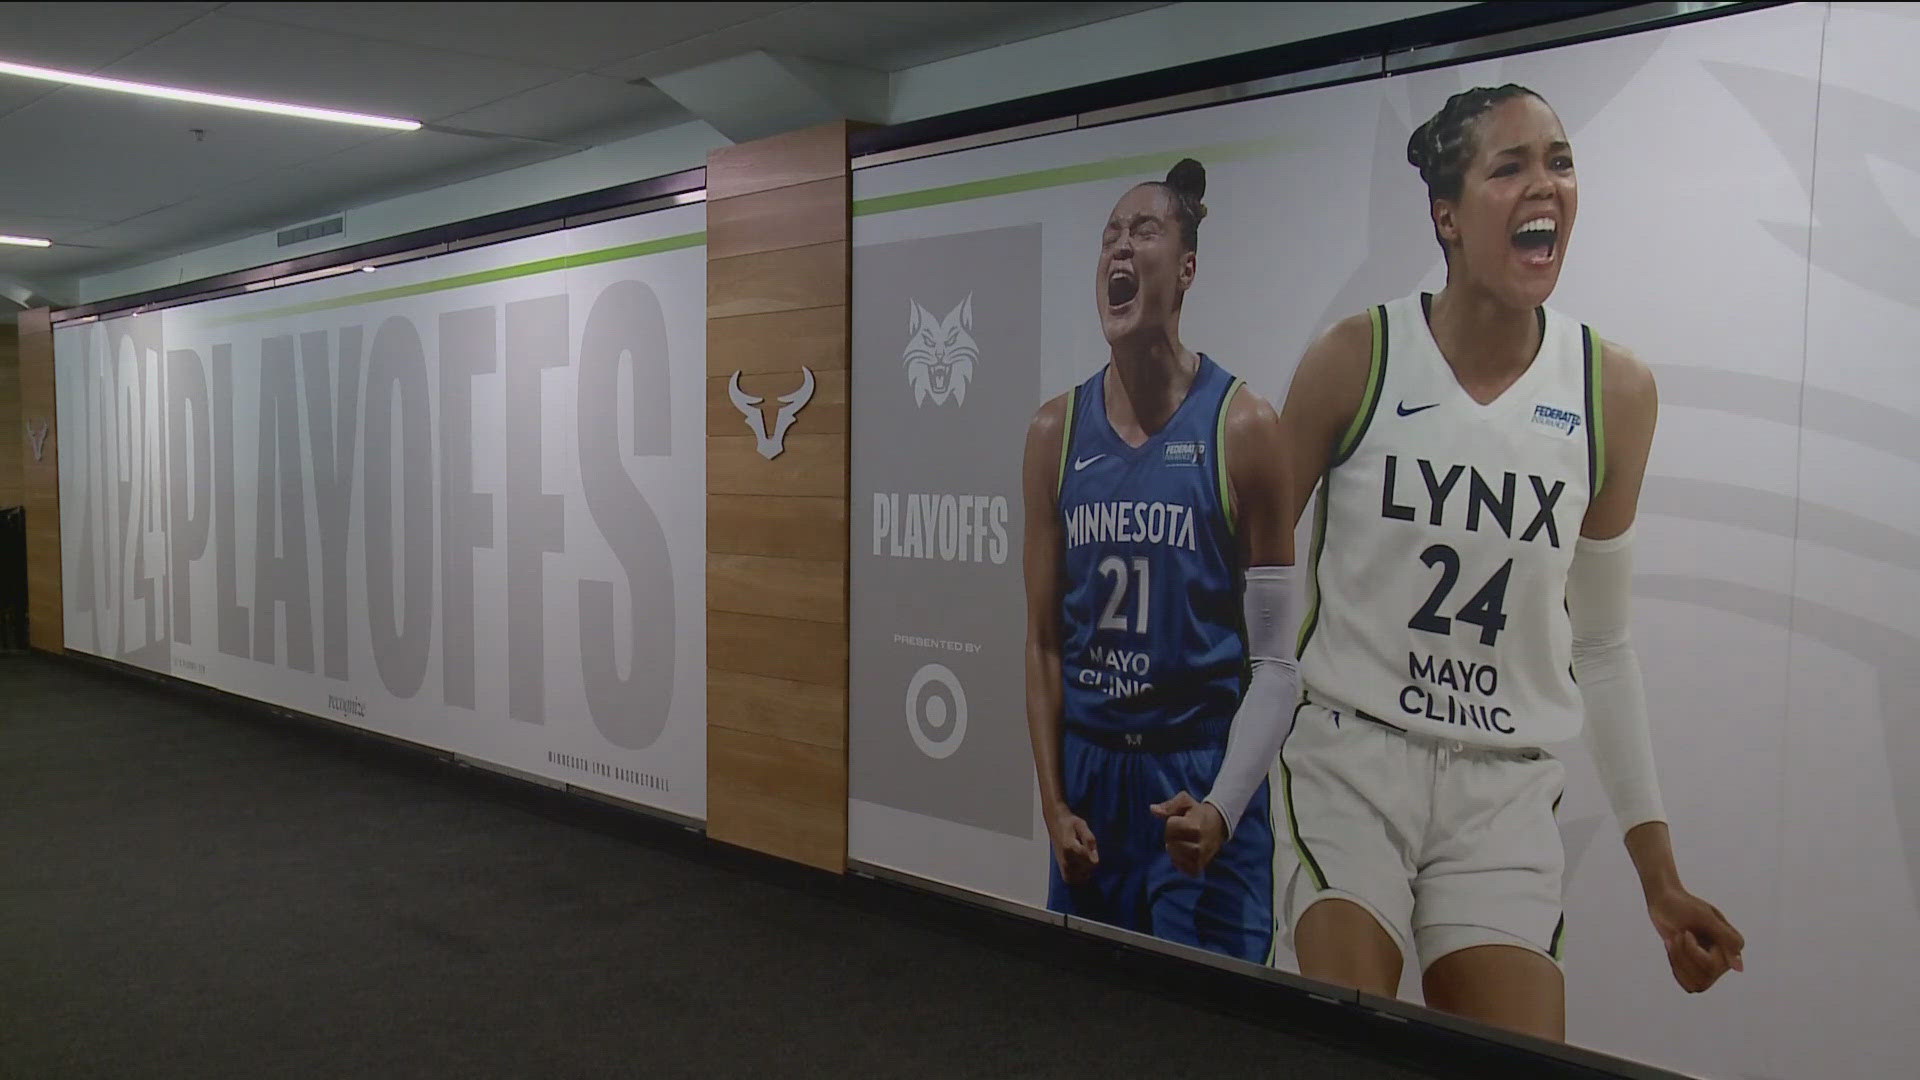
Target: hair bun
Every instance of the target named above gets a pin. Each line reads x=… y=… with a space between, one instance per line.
x=1189 y=178
x=1418 y=155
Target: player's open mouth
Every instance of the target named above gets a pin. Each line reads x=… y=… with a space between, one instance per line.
x=1122 y=287
x=1537 y=240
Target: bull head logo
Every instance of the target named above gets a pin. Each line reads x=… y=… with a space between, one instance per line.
x=38 y=439
x=770 y=446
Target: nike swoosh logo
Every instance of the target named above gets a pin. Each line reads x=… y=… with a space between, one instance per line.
x=1404 y=411
x=1081 y=463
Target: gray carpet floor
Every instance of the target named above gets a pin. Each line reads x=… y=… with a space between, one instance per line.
x=188 y=889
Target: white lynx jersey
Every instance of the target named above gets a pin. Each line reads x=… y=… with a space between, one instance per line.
x=1442 y=537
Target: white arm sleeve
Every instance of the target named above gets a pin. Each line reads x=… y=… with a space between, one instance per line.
x=1266 y=712
x=1609 y=676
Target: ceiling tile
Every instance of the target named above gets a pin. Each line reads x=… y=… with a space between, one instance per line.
x=82 y=37
x=387 y=169
x=565 y=110
x=18 y=93
x=119 y=181
x=34 y=264
x=573 y=36
x=108 y=156
x=55 y=227
x=794 y=30
x=384 y=168
x=881 y=37
x=247 y=57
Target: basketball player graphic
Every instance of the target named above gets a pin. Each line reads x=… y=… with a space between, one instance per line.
x=1478 y=458
x=1158 y=560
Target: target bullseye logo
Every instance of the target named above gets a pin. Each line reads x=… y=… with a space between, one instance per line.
x=936 y=711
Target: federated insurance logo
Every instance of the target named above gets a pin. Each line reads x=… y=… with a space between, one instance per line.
x=1185 y=453
x=1560 y=421
x=940 y=353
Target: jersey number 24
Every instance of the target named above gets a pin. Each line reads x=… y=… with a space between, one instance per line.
x=1487 y=608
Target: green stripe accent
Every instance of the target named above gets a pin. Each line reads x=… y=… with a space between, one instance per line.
x=1066 y=440
x=1319 y=544
x=1148 y=166
x=1220 y=450
x=1376 y=368
x=1559 y=931
x=1293 y=824
x=1596 y=426
x=481 y=277
x=1273 y=871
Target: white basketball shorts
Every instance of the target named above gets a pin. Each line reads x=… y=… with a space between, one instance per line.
x=1447 y=845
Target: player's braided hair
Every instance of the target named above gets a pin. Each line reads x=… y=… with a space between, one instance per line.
x=1186 y=184
x=1442 y=147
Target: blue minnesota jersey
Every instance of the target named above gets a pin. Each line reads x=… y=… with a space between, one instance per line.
x=1151 y=621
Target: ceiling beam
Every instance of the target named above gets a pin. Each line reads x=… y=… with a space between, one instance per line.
x=757 y=94
x=20 y=293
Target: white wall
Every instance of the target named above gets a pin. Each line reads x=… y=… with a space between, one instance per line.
x=1145 y=41
x=652 y=154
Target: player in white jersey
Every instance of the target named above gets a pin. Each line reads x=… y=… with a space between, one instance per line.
x=1478 y=458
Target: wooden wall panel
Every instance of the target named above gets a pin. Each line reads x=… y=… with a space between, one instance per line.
x=787 y=217
x=810 y=589
x=13 y=447
x=811 y=465
x=778 y=341
x=737 y=814
x=40 y=483
x=782 y=769
x=798 y=157
x=784 y=280
x=778 y=284
x=796 y=649
x=782 y=708
x=794 y=527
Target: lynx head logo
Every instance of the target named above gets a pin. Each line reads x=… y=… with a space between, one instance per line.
x=940 y=353
x=38 y=439
x=771 y=446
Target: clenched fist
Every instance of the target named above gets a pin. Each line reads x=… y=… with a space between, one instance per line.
x=1195 y=831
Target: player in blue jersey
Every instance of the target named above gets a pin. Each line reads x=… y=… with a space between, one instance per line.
x=1158 y=561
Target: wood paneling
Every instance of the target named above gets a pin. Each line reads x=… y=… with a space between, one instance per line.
x=40 y=485
x=778 y=282
x=811 y=589
x=13 y=447
x=811 y=835
x=794 y=527
x=785 y=217
x=784 y=769
x=788 y=280
x=779 y=341
x=824 y=413
x=810 y=465
x=796 y=649
x=783 y=708
x=797 y=157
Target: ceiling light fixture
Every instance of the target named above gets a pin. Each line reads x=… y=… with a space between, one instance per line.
x=26 y=241
x=200 y=97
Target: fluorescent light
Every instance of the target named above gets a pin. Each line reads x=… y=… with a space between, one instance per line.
x=26 y=241
x=200 y=97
